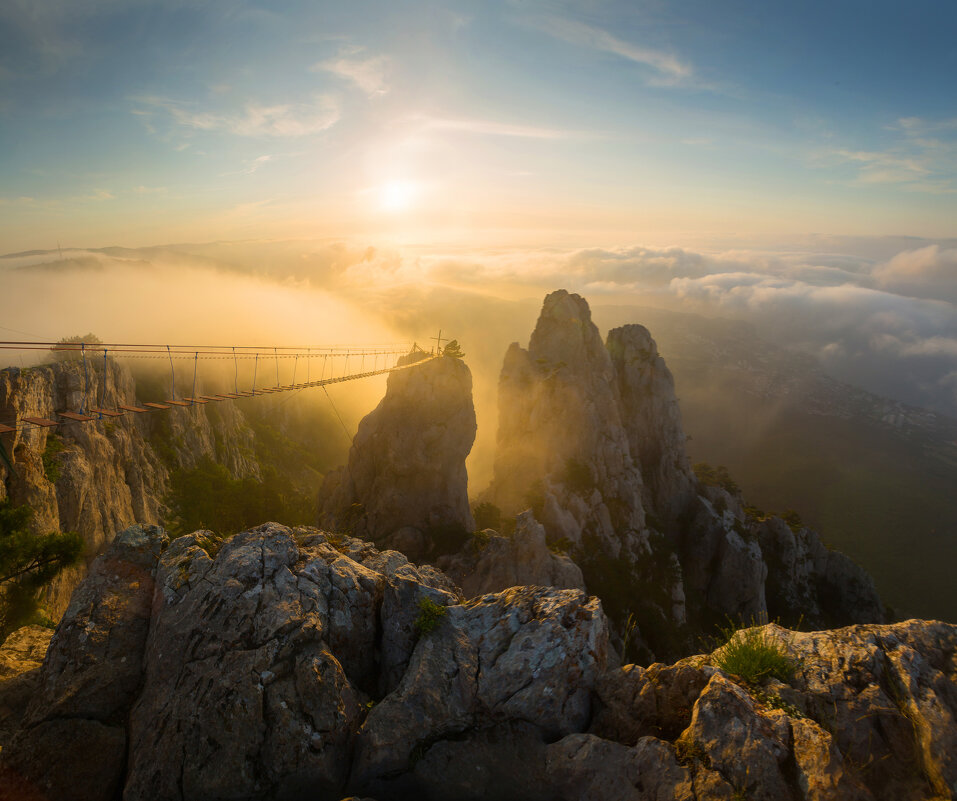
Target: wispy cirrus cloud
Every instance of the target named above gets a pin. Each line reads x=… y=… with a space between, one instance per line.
x=666 y=68
x=922 y=159
x=368 y=73
x=494 y=128
x=253 y=120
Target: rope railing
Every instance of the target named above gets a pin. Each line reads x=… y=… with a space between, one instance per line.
x=89 y=413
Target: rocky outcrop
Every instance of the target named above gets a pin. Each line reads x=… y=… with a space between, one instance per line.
x=590 y=438
x=253 y=668
x=405 y=485
x=562 y=448
x=247 y=669
x=89 y=679
x=492 y=562
x=98 y=478
x=868 y=714
x=652 y=421
x=20 y=658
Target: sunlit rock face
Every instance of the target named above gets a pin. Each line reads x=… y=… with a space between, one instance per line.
x=406 y=484
x=652 y=422
x=590 y=440
x=291 y=663
x=562 y=447
x=98 y=478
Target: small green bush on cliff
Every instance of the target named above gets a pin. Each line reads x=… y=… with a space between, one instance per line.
x=453 y=350
x=51 y=464
x=430 y=615
x=715 y=477
x=27 y=563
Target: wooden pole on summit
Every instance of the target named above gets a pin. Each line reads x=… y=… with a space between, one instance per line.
x=438 y=343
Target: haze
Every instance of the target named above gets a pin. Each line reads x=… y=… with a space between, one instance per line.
x=366 y=173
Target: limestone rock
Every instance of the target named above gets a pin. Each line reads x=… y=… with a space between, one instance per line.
x=107 y=475
x=583 y=767
x=494 y=563
x=652 y=421
x=20 y=658
x=23 y=650
x=561 y=443
x=248 y=631
x=406 y=470
x=294 y=663
x=529 y=654
x=90 y=677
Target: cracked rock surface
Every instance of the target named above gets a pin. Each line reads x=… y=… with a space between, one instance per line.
x=295 y=664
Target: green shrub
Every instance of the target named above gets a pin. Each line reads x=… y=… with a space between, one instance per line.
x=716 y=477
x=479 y=540
x=51 y=464
x=793 y=519
x=28 y=562
x=559 y=545
x=753 y=656
x=208 y=497
x=487 y=515
x=775 y=701
x=430 y=615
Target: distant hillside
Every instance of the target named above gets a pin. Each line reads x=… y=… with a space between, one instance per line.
x=873 y=475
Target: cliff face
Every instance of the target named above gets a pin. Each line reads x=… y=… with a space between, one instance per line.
x=98 y=478
x=291 y=663
x=406 y=483
x=562 y=448
x=590 y=438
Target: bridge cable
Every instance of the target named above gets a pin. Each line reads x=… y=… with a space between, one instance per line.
x=192 y=395
x=103 y=396
x=172 y=374
x=86 y=379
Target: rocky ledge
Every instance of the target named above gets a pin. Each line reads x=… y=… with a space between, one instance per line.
x=292 y=663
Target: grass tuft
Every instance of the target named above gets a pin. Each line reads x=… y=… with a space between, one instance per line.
x=754 y=657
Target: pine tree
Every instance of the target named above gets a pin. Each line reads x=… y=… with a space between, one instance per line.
x=453 y=349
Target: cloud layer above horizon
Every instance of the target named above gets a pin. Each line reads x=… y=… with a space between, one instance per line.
x=885 y=321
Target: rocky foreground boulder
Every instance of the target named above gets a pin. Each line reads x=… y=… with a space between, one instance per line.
x=290 y=663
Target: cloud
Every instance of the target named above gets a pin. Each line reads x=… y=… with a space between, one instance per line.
x=252 y=165
x=492 y=128
x=922 y=159
x=668 y=68
x=882 y=324
x=860 y=315
x=928 y=272
x=369 y=74
x=254 y=120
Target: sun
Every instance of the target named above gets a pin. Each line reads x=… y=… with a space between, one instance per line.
x=397 y=196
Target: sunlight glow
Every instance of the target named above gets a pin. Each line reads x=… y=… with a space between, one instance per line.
x=397 y=196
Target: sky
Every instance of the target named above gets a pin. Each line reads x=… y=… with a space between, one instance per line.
x=578 y=124
x=793 y=165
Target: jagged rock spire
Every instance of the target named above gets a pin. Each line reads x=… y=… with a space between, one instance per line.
x=406 y=481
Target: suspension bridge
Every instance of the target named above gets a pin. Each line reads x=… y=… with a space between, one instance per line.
x=334 y=365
